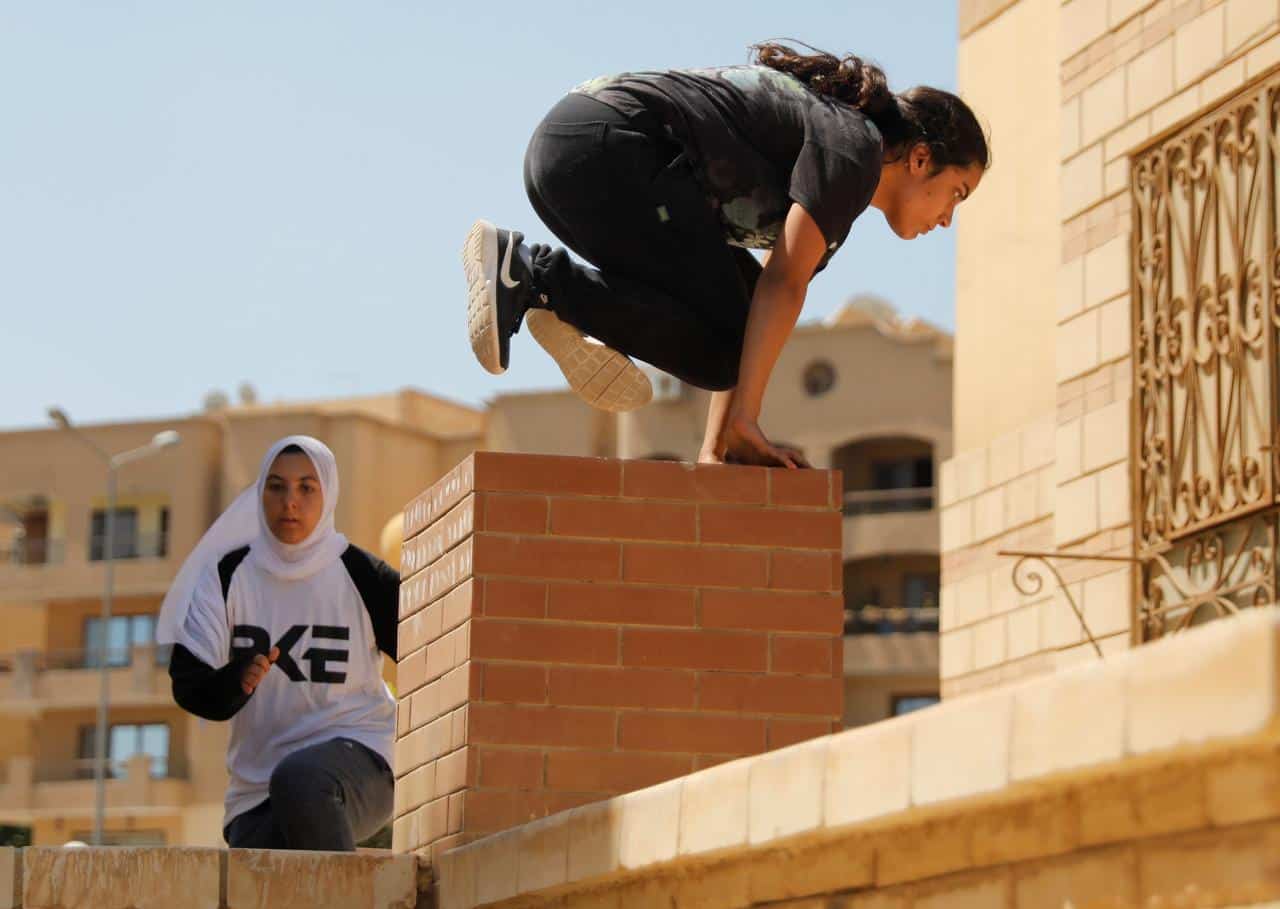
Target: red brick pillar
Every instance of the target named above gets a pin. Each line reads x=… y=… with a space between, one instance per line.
x=575 y=628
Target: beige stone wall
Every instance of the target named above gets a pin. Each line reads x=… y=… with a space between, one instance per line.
x=1126 y=784
x=1127 y=71
x=998 y=498
x=151 y=878
x=1006 y=241
x=1127 y=77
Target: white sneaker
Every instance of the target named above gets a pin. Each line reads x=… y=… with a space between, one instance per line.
x=498 y=292
x=600 y=375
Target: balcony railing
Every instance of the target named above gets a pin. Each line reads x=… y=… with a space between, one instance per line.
x=32 y=551
x=84 y=658
x=134 y=546
x=171 y=768
x=885 y=501
x=890 y=619
x=90 y=657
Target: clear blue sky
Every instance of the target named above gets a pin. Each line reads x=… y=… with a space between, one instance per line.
x=193 y=195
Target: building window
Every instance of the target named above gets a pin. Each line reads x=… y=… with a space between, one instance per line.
x=124 y=741
x=906 y=703
x=1205 y=342
x=904 y=473
x=819 y=378
x=124 y=632
x=124 y=533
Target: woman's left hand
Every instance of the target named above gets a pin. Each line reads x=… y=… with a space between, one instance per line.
x=745 y=443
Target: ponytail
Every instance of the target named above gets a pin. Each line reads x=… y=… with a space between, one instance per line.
x=939 y=119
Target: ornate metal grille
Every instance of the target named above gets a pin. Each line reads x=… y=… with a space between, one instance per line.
x=1205 y=272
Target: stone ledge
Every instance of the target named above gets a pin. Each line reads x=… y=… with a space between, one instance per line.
x=1095 y=754
x=188 y=878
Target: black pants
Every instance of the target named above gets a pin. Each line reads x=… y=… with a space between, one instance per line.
x=326 y=797
x=666 y=287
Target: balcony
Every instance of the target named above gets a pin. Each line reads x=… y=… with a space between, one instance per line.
x=117 y=769
x=32 y=788
x=885 y=521
x=890 y=619
x=888 y=501
x=31 y=681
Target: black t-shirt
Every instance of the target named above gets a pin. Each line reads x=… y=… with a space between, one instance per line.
x=759 y=140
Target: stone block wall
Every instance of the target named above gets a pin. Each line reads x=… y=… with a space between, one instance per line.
x=1149 y=780
x=996 y=628
x=1130 y=71
x=177 y=878
x=576 y=628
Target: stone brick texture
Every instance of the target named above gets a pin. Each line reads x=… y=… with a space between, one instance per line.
x=190 y=878
x=576 y=628
x=1191 y=832
x=1131 y=72
x=1148 y=780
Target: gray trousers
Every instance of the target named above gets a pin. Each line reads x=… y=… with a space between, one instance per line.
x=327 y=797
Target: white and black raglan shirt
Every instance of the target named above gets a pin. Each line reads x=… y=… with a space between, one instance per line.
x=331 y=627
x=758 y=140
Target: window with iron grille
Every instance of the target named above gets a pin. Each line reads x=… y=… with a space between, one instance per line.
x=1206 y=329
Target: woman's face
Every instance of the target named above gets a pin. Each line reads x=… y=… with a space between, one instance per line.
x=923 y=200
x=292 y=499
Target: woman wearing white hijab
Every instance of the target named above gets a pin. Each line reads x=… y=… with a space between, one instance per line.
x=277 y=623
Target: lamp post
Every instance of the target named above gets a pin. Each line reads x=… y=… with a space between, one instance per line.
x=113 y=462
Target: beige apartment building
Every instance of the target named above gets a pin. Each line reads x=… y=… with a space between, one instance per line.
x=167 y=773
x=1116 y=384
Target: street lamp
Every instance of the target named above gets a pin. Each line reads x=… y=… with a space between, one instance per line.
x=113 y=462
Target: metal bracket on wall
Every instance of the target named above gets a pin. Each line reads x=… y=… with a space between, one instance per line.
x=1035 y=582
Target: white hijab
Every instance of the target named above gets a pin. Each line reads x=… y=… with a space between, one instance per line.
x=245 y=524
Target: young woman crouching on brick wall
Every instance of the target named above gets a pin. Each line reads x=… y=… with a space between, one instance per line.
x=277 y=623
x=662 y=180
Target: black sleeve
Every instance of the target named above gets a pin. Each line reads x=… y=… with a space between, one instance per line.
x=837 y=171
x=379 y=587
x=214 y=694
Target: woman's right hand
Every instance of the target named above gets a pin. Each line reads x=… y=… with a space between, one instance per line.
x=256 y=671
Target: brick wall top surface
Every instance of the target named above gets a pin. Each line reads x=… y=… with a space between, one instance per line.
x=1207 y=693
x=487 y=471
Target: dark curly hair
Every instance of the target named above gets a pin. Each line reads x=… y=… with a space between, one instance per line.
x=935 y=117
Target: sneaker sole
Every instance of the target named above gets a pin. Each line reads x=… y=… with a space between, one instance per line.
x=480 y=262
x=601 y=376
